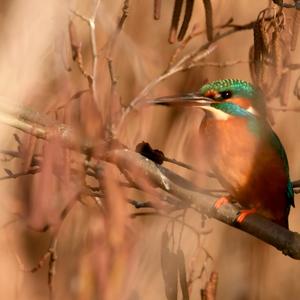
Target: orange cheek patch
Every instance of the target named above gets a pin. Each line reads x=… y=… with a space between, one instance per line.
x=242 y=102
x=211 y=94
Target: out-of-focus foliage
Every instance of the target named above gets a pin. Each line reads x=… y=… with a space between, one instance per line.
x=50 y=63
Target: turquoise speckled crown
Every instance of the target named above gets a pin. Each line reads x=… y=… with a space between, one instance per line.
x=236 y=86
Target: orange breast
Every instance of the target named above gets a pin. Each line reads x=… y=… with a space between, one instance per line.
x=248 y=167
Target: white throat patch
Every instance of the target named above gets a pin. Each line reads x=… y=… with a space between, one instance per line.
x=216 y=113
x=221 y=115
x=252 y=111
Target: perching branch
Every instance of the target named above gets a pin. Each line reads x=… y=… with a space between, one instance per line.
x=131 y=162
x=284 y=240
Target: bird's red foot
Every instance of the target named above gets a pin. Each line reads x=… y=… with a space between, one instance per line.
x=244 y=213
x=221 y=201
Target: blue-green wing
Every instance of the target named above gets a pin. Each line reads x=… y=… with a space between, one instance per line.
x=274 y=139
x=262 y=127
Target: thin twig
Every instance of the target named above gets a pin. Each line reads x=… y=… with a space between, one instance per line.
x=11 y=175
x=91 y=22
x=110 y=53
x=194 y=33
x=182 y=65
x=76 y=49
x=187 y=62
x=195 y=230
x=50 y=254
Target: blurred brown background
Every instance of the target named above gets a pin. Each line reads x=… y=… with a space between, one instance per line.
x=35 y=58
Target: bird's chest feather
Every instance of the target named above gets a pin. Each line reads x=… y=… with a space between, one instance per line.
x=231 y=148
x=247 y=165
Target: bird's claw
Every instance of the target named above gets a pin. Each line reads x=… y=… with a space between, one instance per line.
x=220 y=202
x=244 y=213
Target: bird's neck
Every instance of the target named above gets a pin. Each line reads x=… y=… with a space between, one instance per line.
x=233 y=109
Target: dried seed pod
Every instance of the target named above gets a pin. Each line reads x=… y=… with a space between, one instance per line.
x=297 y=88
x=208 y=19
x=157 y=9
x=264 y=36
x=284 y=88
x=257 y=52
x=189 y=5
x=251 y=65
x=210 y=291
x=277 y=52
x=175 y=20
x=153 y=154
x=295 y=29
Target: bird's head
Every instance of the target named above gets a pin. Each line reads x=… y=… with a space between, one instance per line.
x=221 y=99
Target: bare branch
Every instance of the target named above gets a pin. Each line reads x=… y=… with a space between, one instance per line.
x=284 y=240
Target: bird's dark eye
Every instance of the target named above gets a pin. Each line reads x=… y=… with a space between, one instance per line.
x=226 y=94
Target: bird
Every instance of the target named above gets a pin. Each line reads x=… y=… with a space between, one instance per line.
x=243 y=151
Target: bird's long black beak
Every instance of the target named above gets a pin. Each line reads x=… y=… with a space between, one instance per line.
x=190 y=99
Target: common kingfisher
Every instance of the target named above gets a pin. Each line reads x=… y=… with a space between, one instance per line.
x=243 y=151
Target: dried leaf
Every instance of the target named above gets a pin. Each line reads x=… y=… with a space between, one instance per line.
x=169 y=268
x=182 y=275
x=153 y=154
